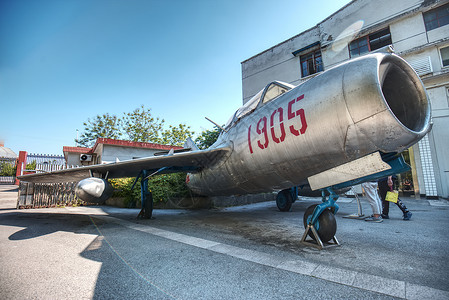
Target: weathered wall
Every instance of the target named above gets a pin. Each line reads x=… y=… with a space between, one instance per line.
x=111 y=153
x=277 y=63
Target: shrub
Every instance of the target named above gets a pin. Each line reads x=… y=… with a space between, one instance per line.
x=7 y=169
x=163 y=187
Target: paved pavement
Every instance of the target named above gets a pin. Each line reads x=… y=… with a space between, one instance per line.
x=246 y=252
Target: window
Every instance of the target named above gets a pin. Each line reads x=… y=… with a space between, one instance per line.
x=445 y=56
x=311 y=63
x=270 y=92
x=370 y=42
x=436 y=17
x=274 y=90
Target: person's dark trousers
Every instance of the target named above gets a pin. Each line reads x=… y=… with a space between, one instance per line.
x=383 y=189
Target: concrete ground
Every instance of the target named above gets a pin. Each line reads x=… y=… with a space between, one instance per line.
x=245 y=252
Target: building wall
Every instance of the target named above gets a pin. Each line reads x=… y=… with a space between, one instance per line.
x=410 y=40
x=368 y=16
x=73 y=159
x=110 y=153
x=276 y=63
x=439 y=138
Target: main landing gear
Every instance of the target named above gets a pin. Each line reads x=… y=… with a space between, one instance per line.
x=319 y=219
x=145 y=195
x=319 y=222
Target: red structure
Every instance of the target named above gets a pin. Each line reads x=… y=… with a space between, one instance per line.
x=21 y=165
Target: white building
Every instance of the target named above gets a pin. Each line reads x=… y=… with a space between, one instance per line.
x=110 y=150
x=418 y=30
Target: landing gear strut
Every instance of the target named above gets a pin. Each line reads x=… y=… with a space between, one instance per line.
x=286 y=198
x=146 y=198
x=319 y=222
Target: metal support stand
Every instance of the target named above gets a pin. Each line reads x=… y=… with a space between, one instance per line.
x=317 y=243
x=146 y=198
x=359 y=214
x=328 y=203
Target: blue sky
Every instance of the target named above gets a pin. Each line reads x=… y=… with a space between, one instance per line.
x=64 y=61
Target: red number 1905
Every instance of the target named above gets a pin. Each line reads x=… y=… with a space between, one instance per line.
x=262 y=125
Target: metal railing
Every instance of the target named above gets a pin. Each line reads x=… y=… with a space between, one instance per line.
x=39 y=195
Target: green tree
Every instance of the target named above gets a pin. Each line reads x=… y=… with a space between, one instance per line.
x=140 y=126
x=101 y=126
x=207 y=138
x=176 y=136
x=7 y=168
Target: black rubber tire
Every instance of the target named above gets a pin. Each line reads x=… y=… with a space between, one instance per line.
x=327 y=223
x=284 y=200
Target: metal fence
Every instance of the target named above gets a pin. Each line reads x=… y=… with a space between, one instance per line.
x=38 y=195
x=46 y=159
x=7 y=179
x=45 y=162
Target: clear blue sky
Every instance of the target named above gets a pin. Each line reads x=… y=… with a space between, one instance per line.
x=64 y=61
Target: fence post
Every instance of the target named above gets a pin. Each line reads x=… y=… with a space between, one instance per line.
x=21 y=165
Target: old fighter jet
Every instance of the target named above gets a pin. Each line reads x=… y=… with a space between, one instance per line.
x=344 y=126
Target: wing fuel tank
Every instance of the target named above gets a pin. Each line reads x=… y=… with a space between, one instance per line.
x=376 y=103
x=94 y=190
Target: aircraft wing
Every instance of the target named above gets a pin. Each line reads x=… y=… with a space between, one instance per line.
x=170 y=163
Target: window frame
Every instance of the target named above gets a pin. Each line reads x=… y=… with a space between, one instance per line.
x=440 y=13
x=371 y=39
x=312 y=66
x=441 y=57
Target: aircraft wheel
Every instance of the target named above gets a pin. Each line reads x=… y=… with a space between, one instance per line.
x=284 y=200
x=326 y=225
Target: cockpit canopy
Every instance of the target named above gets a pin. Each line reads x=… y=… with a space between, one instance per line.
x=270 y=92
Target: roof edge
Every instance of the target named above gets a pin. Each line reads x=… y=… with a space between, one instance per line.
x=293 y=37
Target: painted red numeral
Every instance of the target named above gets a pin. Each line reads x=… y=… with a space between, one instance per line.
x=281 y=126
x=264 y=131
x=300 y=113
x=262 y=126
x=249 y=140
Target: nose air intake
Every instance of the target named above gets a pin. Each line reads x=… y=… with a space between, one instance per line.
x=404 y=93
x=388 y=105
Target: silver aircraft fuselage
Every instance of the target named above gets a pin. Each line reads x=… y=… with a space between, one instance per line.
x=374 y=103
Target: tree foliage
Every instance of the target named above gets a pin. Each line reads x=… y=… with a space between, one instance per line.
x=140 y=126
x=176 y=136
x=101 y=126
x=137 y=126
x=163 y=187
x=7 y=168
x=207 y=138
x=31 y=166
